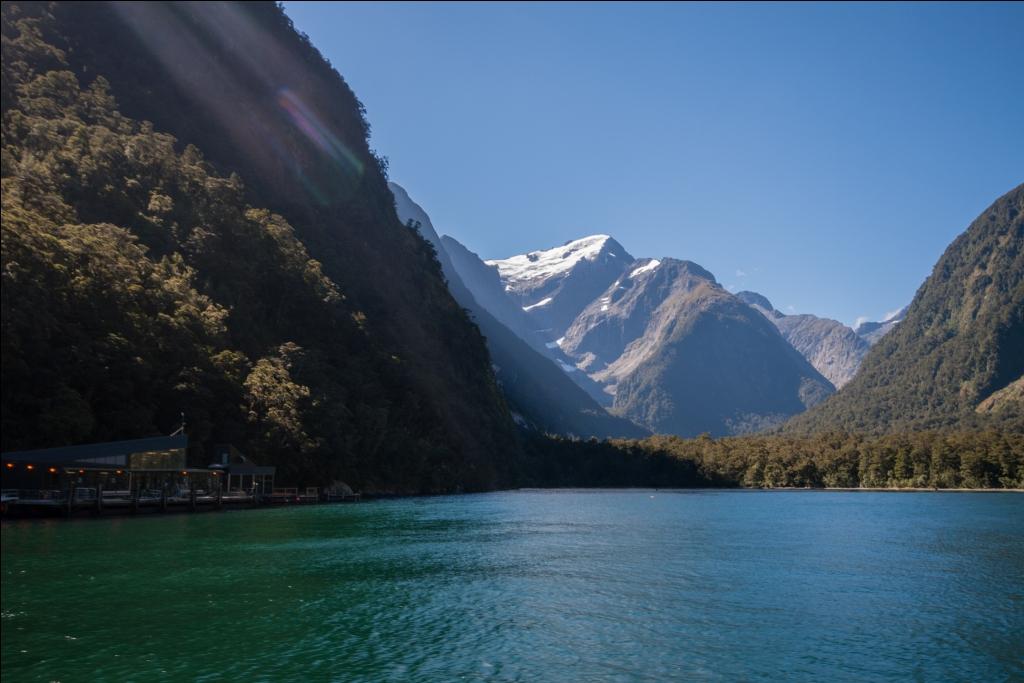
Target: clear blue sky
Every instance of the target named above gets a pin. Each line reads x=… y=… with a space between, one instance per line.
x=822 y=155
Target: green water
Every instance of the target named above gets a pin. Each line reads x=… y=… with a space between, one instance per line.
x=556 y=586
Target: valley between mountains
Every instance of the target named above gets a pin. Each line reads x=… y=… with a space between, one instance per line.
x=657 y=343
x=194 y=224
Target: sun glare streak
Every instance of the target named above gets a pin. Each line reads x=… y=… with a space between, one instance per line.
x=308 y=122
x=256 y=112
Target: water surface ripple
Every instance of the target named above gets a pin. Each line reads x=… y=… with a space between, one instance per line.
x=525 y=586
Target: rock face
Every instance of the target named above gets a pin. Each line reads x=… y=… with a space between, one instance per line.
x=621 y=328
x=681 y=355
x=835 y=350
x=830 y=346
x=1008 y=399
x=960 y=344
x=541 y=395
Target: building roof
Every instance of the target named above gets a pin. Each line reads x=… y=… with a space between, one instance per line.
x=93 y=451
x=247 y=468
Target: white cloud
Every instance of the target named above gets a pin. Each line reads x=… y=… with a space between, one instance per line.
x=861 y=319
x=891 y=314
x=791 y=308
x=732 y=288
x=740 y=273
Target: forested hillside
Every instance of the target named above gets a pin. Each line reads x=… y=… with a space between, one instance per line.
x=961 y=342
x=192 y=221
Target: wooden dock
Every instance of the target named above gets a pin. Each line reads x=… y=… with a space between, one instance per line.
x=78 y=500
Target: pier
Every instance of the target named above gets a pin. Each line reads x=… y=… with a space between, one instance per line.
x=143 y=475
x=96 y=501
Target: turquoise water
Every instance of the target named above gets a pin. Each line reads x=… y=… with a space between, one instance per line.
x=554 y=586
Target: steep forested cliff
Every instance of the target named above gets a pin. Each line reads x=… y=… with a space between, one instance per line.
x=955 y=358
x=193 y=221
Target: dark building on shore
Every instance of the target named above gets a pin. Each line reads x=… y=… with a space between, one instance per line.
x=151 y=464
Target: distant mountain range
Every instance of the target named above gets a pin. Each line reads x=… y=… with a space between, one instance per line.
x=660 y=345
x=834 y=349
x=682 y=355
x=658 y=342
x=554 y=285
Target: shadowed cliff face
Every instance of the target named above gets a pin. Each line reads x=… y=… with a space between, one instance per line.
x=960 y=343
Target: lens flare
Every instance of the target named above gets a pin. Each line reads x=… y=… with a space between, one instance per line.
x=316 y=132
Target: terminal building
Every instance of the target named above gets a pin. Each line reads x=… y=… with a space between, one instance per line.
x=154 y=466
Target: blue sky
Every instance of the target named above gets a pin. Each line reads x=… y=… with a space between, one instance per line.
x=822 y=155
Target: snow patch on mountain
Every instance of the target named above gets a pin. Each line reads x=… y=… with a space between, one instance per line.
x=646 y=268
x=538 y=266
x=543 y=302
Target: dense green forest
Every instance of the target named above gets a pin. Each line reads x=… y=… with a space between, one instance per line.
x=993 y=459
x=139 y=281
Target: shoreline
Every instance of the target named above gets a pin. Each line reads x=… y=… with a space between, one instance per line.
x=108 y=514
x=761 y=489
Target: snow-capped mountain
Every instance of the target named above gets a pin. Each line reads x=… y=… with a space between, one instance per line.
x=540 y=393
x=834 y=349
x=487 y=288
x=554 y=285
x=674 y=350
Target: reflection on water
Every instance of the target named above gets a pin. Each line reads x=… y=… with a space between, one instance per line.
x=558 y=586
